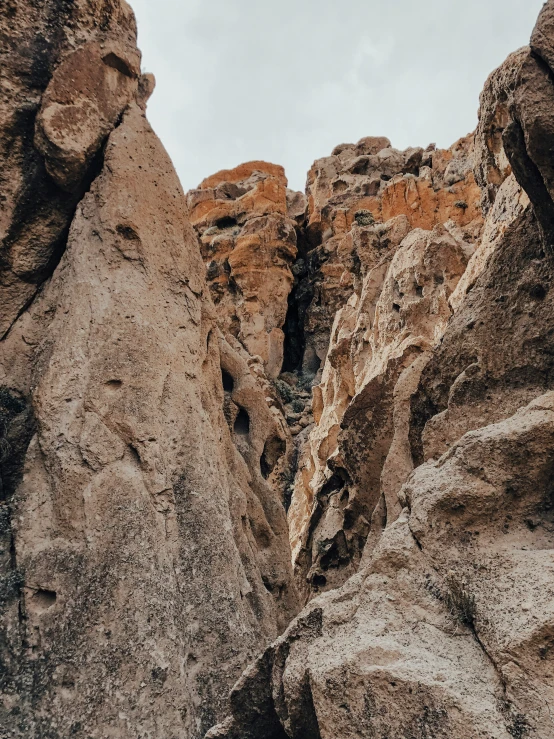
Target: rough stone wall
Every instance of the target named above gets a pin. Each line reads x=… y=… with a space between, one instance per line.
x=246 y=222
x=388 y=337
x=144 y=556
x=52 y=132
x=397 y=229
x=435 y=411
x=372 y=182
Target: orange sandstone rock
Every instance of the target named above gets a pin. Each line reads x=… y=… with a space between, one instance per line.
x=249 y=243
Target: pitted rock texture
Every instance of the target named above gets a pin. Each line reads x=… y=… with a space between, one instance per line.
x=441 y=426
x=145 y=556
x=371 y=182
x=381 y=298
x=144 y=493
x=246 y=220
x=446 y=630
x=177 y=372
x=68 y=71
x=359 y=454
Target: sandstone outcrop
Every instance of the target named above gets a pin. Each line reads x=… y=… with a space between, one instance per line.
x=359 y=449
x=371 y=182
x=246 y=220
x=446 y=631
x=397 y=229
x=68 y=72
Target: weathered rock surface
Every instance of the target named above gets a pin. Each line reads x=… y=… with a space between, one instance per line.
x=245 y=218
x=431 y=457
x=359 y=448
x=145 y=556
x=397 y=230
x=371 y=182
x=168 y=363
x=68 y=71
x=446 y=631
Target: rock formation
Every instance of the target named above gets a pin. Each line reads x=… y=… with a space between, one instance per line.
x=371 y=182
x=245 y=219
x=217 y=408
x=145 y=554
x=423 y=501
x=397 y=235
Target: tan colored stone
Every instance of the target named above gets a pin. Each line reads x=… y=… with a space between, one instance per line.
x=359 y=448
x=112 y=400
x=446 y=629
x=377 y=356
x=86 y=96
x=437 y=416
x=42 y=46
x=426 y=188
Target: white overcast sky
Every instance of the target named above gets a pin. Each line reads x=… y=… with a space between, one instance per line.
x=287 y=80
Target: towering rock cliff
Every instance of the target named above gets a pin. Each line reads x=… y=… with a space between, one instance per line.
x=145 y=554
x=219 y=408
x=397 y=230
x=424 y=499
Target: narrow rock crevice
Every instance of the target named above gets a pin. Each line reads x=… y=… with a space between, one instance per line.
x=59 y=246
x=529 y=177
x=42 y=196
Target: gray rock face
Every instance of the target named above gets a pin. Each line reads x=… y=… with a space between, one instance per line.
x=441 y=633
x=444 y=626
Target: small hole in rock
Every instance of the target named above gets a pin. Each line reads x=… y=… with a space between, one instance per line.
x=419 y=291
x=228 y=382
x=242 y=423
x=44 y=599
x=319 y=581
x=116 y=62
x=128 y=232
x=268 y=586
x=114 y=384
x=538 y=292
x=226 y=222
x=212 y=270
x=396 y=307
x=134 y=454
x=274 y=449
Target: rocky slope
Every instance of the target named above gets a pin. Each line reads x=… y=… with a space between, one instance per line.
x=217 y=408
